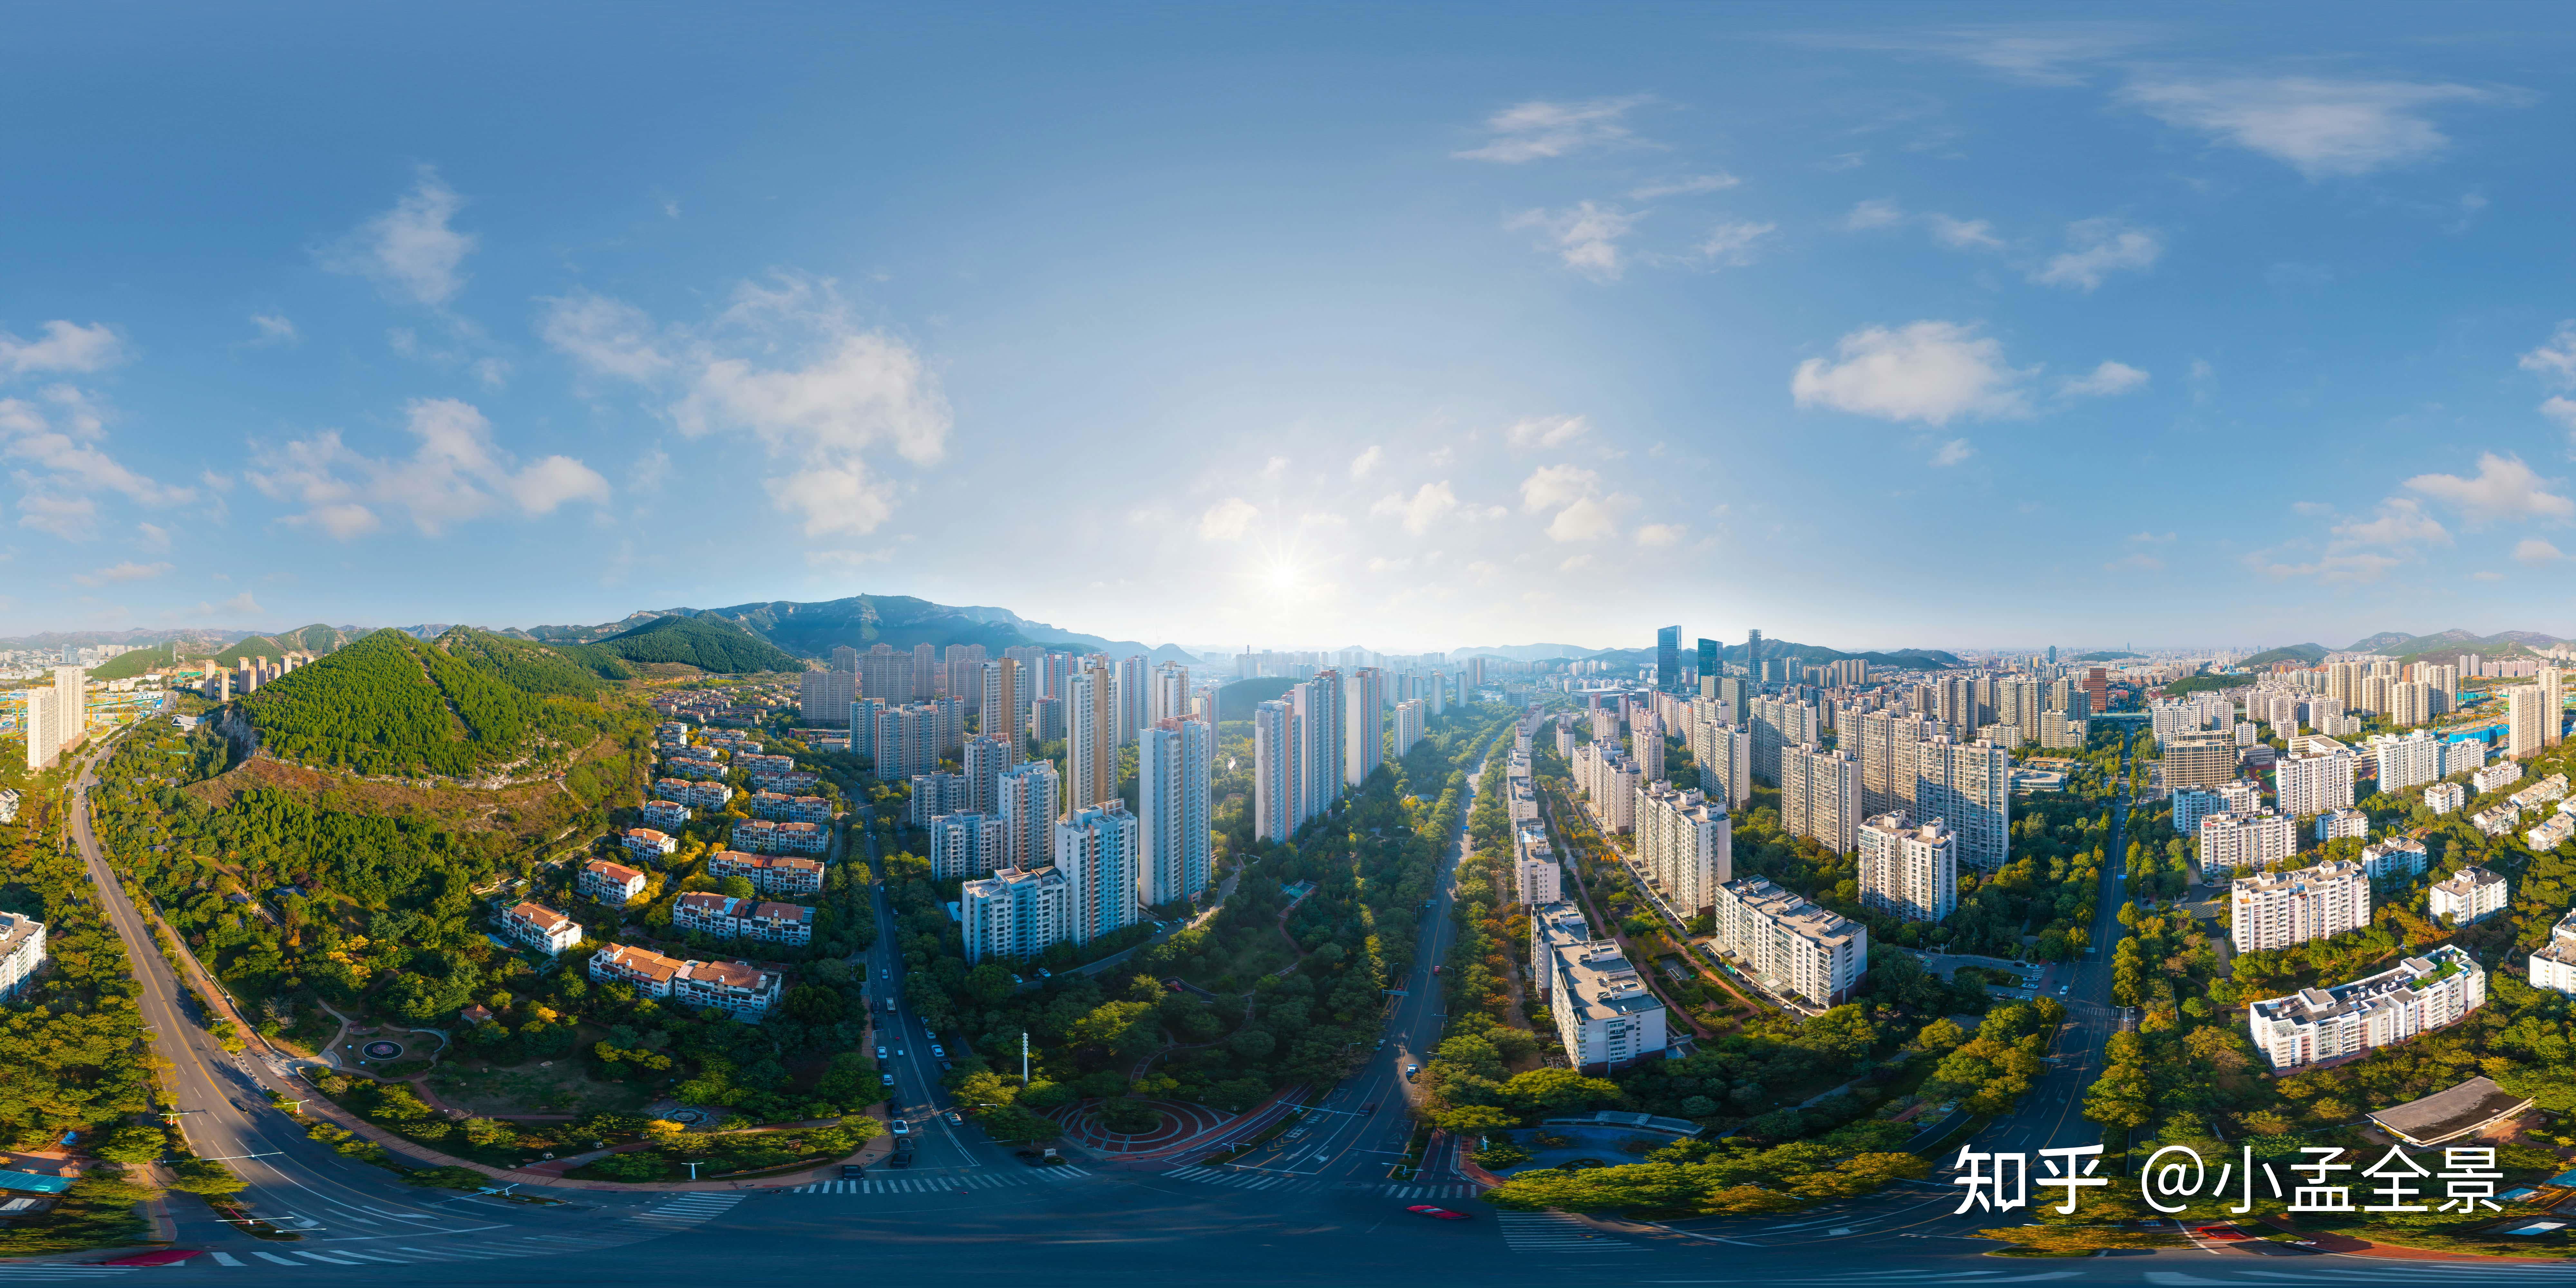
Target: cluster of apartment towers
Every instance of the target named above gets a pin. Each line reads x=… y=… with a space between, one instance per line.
x=2314 y=786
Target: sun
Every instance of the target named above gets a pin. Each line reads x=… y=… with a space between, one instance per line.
x=1283 y=574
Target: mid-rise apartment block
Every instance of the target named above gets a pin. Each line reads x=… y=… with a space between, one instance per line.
x=2419 y=994
x=964 y=846
x=2279 y=909
x=2200 y=760
x=2443 y=798
x=2468 y=896
x=1790 y=945
x=2231 y=841
x=1014 y=915
x=768 y=873
x=2192 y=804
x=2553 y=965
x=649 y=845
x=664 y=815
x=761 y=836
x=1606 y=1017
x=539 y=927
x=719 y=917
x=2342 y=823
x=2396 y=857
x=613 y=884
x=22 y=952
x=2503 y=773
x=1685 y=845
x=1097 y=850
x=1909 y=871
x=2315 y=784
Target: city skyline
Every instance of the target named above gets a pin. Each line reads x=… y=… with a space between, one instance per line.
x=1548 y=329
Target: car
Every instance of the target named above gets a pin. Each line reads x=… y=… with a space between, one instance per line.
x=1044 y=973
x=1381 y=1044
x=1435 y=970
x=899 y=1127
x=898 y=1050
x=881 y=1051
x=854 y=1171
x=956 y=1119
x=1410 y=1070
x=2220 y=1233
x=936 y=1052
x=1438 y=1213
x=945 y=1066
x=903 y=1160
x=2061 y=989
x=886 y=1078
x=884 y=973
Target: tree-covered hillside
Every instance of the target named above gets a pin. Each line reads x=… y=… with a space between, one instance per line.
x=708 y=643
x=134 y=662
x=391 y=704
x=2303 y=654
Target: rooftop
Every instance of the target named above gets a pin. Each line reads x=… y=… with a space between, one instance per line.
x=2451 y=1113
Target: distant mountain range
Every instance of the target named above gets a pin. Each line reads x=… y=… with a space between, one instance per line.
x=813 y=630
x=2455 y=640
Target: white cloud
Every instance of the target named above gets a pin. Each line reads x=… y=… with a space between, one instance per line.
x=456 y=474
x=1661 y=534
x=1841 y=161
x=1586 y=236
x=155 y=537
x=2319 y=127
x=62 y=432
x=127 y=571
x=1275 y=467
x=1684 y=187
x=410 y=250
x=2108 y=380
x=242 y=605
x=1929 y=371
x=1227 y=520
x=1963 y=234
x=1731 y=243
x=1425 y=507
x=2329 y=568
x=1880 y=212
x=2536 y=552
x=1366 y=461
x=2399 y=523
x=2139 y=562
x=2097 y=249
x=1953 y=452
x=815 y=390
x=2555 y=363
x=65 y=346
x=274 y=329
x=1588 y=519
x=70 y=517
x=2032 y=53
x=2486 y=576
x=1539 y=129
x=1547 y=431
x=2151 y=538
x=1551 y=486
x=2504 y=488
x=2562 y=410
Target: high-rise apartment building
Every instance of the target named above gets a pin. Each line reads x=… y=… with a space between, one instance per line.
x=983 y=759
x=1096 y=849
x=1090 y=739
x=1175 y=774
x=1277 y=804
x=1685 y=844
x=1365 y=743
x=968 y=845
x=1789 y=945
x=1027 y=799
x=824 y=697
x=44 y=729
x=2200 y=760
x=1409 y=718
x=1015 y=914
x=1133 y=697
x=2284 y=908
x=1820 y=797
x=1908 y=871
x=963 y=672
x=1169 y=693
x=1668 y=659
x=2530 y=720
x=886 y=675
x=2231 y=841
x=2318 y=783
x=1322 y=727
x=1969 y=787
x=924 y=672
x=1005 y=704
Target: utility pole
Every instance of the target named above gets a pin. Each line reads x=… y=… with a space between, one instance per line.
x=1024 y=1057
x=693 y=1170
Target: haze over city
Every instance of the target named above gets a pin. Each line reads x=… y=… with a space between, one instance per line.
x=2188 y=327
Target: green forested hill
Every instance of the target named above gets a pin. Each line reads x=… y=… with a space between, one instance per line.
x=532 y=667
x=392 y=704
x=2303 y=654
x=134 y=662
x=708 y=643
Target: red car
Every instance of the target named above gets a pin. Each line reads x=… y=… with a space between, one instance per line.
x=1438 y=1213
x=160 y=1257
x=2220 y=1233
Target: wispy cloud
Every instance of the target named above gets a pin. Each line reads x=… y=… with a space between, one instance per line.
x=2322 y=127
x=1428 y=505
x=1227 y=520
x=1541 y=129
x=412 y=251
x=127 y=571
x=1585 y=236
x=456 y=474
x=1684 y=187
x=2111 y=379
x=1546 y=431
x=2097 y=248
x=1731 y=243
x=1954 y=452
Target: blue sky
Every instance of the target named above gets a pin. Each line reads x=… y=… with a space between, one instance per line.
x=1303 y=326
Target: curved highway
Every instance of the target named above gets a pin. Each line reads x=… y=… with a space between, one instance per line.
x=1321 y=1208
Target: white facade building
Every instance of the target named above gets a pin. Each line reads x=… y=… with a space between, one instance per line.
x=2418 y=994
x=2231 y=841
x=2503 y=773
x=1029 y=802
x=539 y=927
x=2285 y=908
x=2342 y=823
x=1686 y=845
x=1790 y=945
x=2468 y=896
x=2315 y=784
x=1014 y=915
x=2443 y=798
x=1175 y=775
x=2398 y=856
x=1908 y=871
x=1820 y=797
x=1605 y=1015
x=1096 y=849
x=965 y=846
x=2553 y=966
x=22 y=951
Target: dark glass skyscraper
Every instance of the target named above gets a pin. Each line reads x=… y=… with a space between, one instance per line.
x=1668 y=658
x=1708 y=663
x=1753 y=656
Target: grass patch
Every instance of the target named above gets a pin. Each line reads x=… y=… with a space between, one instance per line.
x=501 y=1092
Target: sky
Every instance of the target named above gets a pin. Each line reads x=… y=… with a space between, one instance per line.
x=1406 y=326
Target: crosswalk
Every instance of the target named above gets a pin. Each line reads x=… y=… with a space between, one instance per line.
x=688 y=1210
x=969 y=1181
x=1285 y=1183
x=1421 y=1193
x=343 y=1255
x=1559 y=1234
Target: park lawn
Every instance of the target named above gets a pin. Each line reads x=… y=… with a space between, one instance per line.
x=564 y=1087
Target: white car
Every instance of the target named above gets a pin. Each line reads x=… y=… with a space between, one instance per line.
x=901 y=1128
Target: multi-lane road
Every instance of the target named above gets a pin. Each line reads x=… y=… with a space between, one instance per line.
x=1319 y=1208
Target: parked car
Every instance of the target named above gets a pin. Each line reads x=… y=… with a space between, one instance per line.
x=956 y=1119
x=854 y=1171
x=936 y=1052
x=1409 y=1071
x=899 y=1127
x=881 y=1051
x=886 y=1078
